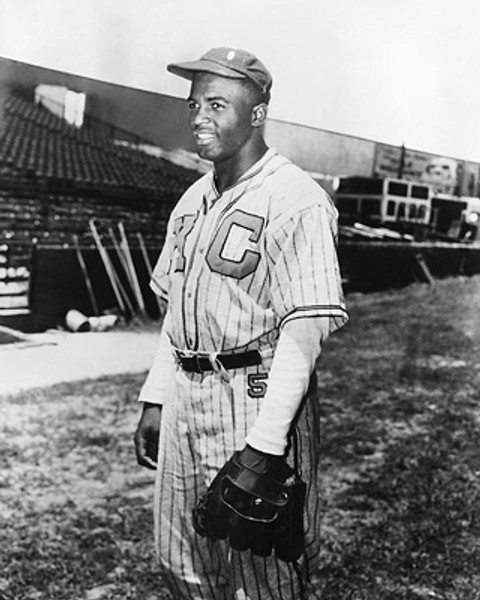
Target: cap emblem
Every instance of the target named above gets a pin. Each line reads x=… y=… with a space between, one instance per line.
x=231 y=55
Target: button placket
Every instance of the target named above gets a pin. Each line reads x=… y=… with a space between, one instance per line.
x=193 y=274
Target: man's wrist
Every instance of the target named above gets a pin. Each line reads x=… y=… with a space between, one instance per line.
x=259 y=461
x=270 y=447
x=150 y=405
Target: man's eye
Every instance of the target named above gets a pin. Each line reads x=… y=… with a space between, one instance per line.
x=192 y=105
x=217 y=106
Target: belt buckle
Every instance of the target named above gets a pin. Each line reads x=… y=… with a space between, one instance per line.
x=181 y=358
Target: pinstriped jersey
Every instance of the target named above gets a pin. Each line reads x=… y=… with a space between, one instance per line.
x=238 y=265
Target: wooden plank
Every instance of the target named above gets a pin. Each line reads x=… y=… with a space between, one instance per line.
x=424 y=270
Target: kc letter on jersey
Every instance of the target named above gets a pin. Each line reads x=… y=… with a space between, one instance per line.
x=233 y=250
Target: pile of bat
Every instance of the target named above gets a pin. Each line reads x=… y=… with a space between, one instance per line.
x=122 y=274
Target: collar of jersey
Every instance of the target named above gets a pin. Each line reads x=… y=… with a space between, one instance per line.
x=252 y=171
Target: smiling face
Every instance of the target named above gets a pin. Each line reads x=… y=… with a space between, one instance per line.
x=223 y=118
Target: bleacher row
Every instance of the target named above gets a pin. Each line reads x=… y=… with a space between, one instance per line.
x=55 y=178
x=54 y=219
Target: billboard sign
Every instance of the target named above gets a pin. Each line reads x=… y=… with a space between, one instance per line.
x=446 y=175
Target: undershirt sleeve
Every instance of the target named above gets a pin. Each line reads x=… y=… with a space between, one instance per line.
x=298 y=348
x=157 y=386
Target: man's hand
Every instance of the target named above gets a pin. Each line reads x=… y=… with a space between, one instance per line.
x=257 y=502
x=146 y=435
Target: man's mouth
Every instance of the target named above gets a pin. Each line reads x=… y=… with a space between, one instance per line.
x=203 y=138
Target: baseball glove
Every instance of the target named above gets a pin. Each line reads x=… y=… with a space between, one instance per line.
x=257 y=502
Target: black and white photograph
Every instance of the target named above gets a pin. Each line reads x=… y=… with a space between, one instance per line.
x=239 y=300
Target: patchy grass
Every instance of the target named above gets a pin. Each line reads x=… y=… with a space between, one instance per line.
x=401 y=451
x=400 y=466
x=75 y=510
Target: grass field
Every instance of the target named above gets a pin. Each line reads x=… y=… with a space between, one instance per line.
x=400 y=463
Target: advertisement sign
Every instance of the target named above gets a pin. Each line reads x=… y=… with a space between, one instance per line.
x=446 y=175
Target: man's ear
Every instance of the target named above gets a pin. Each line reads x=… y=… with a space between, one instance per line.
x=259 y=114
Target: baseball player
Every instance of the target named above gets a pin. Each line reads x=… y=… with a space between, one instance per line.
x=250 y=281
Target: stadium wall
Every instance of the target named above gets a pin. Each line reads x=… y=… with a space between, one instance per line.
x=321 y=151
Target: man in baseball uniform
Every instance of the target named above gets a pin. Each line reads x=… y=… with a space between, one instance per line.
x=250 y=280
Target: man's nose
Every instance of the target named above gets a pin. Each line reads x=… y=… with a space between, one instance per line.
x=199 y=116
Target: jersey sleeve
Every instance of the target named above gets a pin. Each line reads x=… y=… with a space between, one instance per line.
x=159 y=281
x=306 y=280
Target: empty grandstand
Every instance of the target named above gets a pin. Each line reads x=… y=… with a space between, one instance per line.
x=55 y=178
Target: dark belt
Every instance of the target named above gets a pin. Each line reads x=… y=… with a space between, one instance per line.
x=199 y=364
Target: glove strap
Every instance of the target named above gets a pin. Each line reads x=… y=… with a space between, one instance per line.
x=261 y=486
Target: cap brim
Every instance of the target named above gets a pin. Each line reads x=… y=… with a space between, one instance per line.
x=188 y=69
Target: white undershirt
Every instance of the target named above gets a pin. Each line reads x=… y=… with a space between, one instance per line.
x=298 y=348
x=157 y=386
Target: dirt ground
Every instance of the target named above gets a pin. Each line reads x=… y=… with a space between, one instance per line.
x=400 y=462
x=57 y=356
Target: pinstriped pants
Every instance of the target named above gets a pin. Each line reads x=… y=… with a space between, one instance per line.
x=206 y=420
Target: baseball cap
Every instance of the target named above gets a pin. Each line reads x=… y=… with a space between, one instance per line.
x=230 y=63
